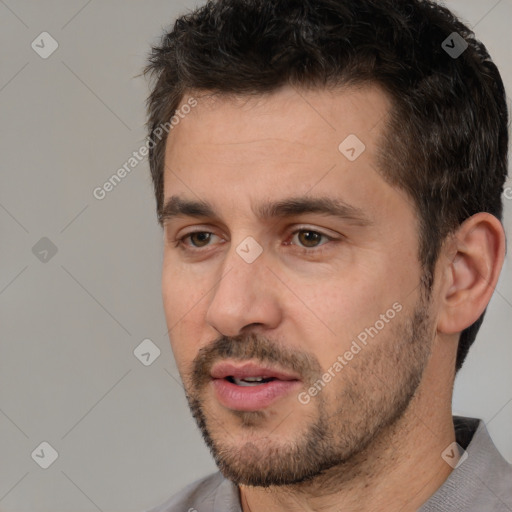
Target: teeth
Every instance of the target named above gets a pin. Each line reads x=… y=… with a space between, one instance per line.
x=248 y=381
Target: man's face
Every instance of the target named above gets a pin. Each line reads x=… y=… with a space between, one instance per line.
x=326 y=308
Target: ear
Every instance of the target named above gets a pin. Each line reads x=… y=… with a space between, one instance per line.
x=471 y=267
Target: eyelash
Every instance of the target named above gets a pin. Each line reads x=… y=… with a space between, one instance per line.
x=309 y=250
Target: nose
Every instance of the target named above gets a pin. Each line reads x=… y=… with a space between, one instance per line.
x=245 y=294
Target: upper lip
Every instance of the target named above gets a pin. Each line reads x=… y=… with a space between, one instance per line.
x=224 y=369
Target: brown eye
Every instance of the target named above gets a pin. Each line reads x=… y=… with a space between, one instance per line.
x=309 y=239
x=201 y=237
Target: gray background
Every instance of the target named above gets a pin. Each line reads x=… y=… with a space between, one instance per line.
x=69 y=325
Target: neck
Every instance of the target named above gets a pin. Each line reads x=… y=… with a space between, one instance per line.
x=400 y=469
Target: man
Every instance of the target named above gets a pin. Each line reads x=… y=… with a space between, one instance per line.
x=328 y=175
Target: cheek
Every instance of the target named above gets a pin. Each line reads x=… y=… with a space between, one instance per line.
x=183 y=291
x=336 y=310
x=184 y=302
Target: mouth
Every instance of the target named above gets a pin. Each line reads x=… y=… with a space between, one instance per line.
x=249 y=386
x=249 y=381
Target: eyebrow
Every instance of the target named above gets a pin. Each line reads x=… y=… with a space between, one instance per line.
x=177 y=206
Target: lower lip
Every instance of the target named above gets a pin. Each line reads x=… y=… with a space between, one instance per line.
x=252 y=398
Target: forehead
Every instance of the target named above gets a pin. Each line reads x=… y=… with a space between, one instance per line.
x=288 y=119
x=290 y=141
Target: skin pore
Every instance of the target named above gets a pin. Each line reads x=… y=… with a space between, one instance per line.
x=372 y=438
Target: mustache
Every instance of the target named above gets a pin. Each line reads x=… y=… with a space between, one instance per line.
x=252 y=346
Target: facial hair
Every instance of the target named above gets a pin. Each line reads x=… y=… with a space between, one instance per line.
x=370 y=394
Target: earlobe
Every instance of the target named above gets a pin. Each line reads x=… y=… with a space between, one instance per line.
x=471 y=270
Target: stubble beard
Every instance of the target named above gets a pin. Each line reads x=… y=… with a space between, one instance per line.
x=372 y=394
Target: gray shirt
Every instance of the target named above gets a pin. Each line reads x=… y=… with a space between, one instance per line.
x=481 y=483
